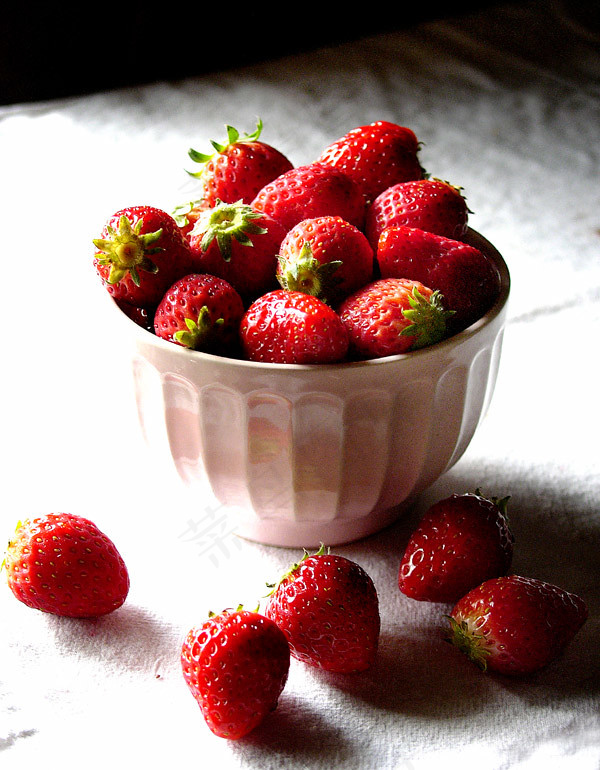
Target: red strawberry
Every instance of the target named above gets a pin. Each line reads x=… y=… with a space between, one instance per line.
x=201 y=312
x=238 y=169
x=327 y=607
x=391 y=316
x=140 y=253
x=63 y=564
x=515 y=625
x=325 y=256
x=429 y=204
x=314 y=190
x=236 y=665
x=460 y=542
x=291 y=327
x=468 y=279
x=239 y=244
x=376 y=156
x=186 y=214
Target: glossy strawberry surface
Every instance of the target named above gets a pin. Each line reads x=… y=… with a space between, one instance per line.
x=63 y=564
x=516 y=625
x=461 y=541
x=327 y=607
x=236 y=665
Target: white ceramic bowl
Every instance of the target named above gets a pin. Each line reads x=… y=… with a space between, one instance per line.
x=299 y=455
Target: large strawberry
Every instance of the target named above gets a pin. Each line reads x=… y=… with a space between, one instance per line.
x=468 y=278
x=376 y=156
x=393 y=315
x=63 y=564
x=201 y=312
x=140 y=253
x=312 y=190
x=516 y=625
x=291 y=327
x=429 y=204
x=460 y=541
x=239 y=244
x=327 y=607
x=236 y=666
x=325 y=256
x=238 y=168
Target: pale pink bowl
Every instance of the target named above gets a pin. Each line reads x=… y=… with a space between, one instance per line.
x=299 y=455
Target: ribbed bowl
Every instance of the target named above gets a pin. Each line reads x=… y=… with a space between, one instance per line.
x=297 y=455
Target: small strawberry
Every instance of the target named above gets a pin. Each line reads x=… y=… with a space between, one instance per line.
x=239 y=244
x=239 y=168
x=461 y=541
x=140 y=253
x=468 y=279
x=200 y=312
x=515 y=625
x=429 y=204
x=327 y=607
x=291 y=327
x=393 y=315
x=236 y=666
x=313 y=190
x=326 y=257
x=63 y=564
x=376 y=156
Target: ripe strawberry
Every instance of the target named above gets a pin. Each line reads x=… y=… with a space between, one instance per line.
x=376 y=156
x=238 y=169
x=63 y=564
x=313 y=190
x=140 y=253
x=186 y=214
x=236 y=665
x=327 y=607
x=429 y=204
x=291 y=327
x=239 y=244
x=393 y=315
x=201 y=312
x=515 y=625
x=468 y=279
x=461 y=541
x=326 y=257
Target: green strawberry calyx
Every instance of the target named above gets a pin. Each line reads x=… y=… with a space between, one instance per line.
x=127 y=250
x=228 y=223
x=233 y=137
x=427 y=316
x=199 y=331
x=306 y=274
x=475 y=646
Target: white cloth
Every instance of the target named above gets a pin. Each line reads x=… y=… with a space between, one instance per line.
x=507 y=104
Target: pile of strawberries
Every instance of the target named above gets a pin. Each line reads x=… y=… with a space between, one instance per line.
x=324 y=611
x=359 y=254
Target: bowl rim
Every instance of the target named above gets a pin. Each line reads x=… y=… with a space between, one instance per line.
x=472 y=237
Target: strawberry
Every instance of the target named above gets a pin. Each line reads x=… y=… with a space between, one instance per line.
x=238 y=169
x=468 y=279
x=63 y=564
x=236 y=666
x=429 y=204
x=186 y=214
x=393 y=315
x=312 y=190
x=200 y=312
x=239 y=244
x=140 y=253
x=325 y=256
x=515 y=625
x=376 y=156
x=291 y=327
x=327 y=607
x=461 y=541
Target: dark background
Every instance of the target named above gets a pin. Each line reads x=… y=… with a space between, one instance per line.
x=51 y=52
